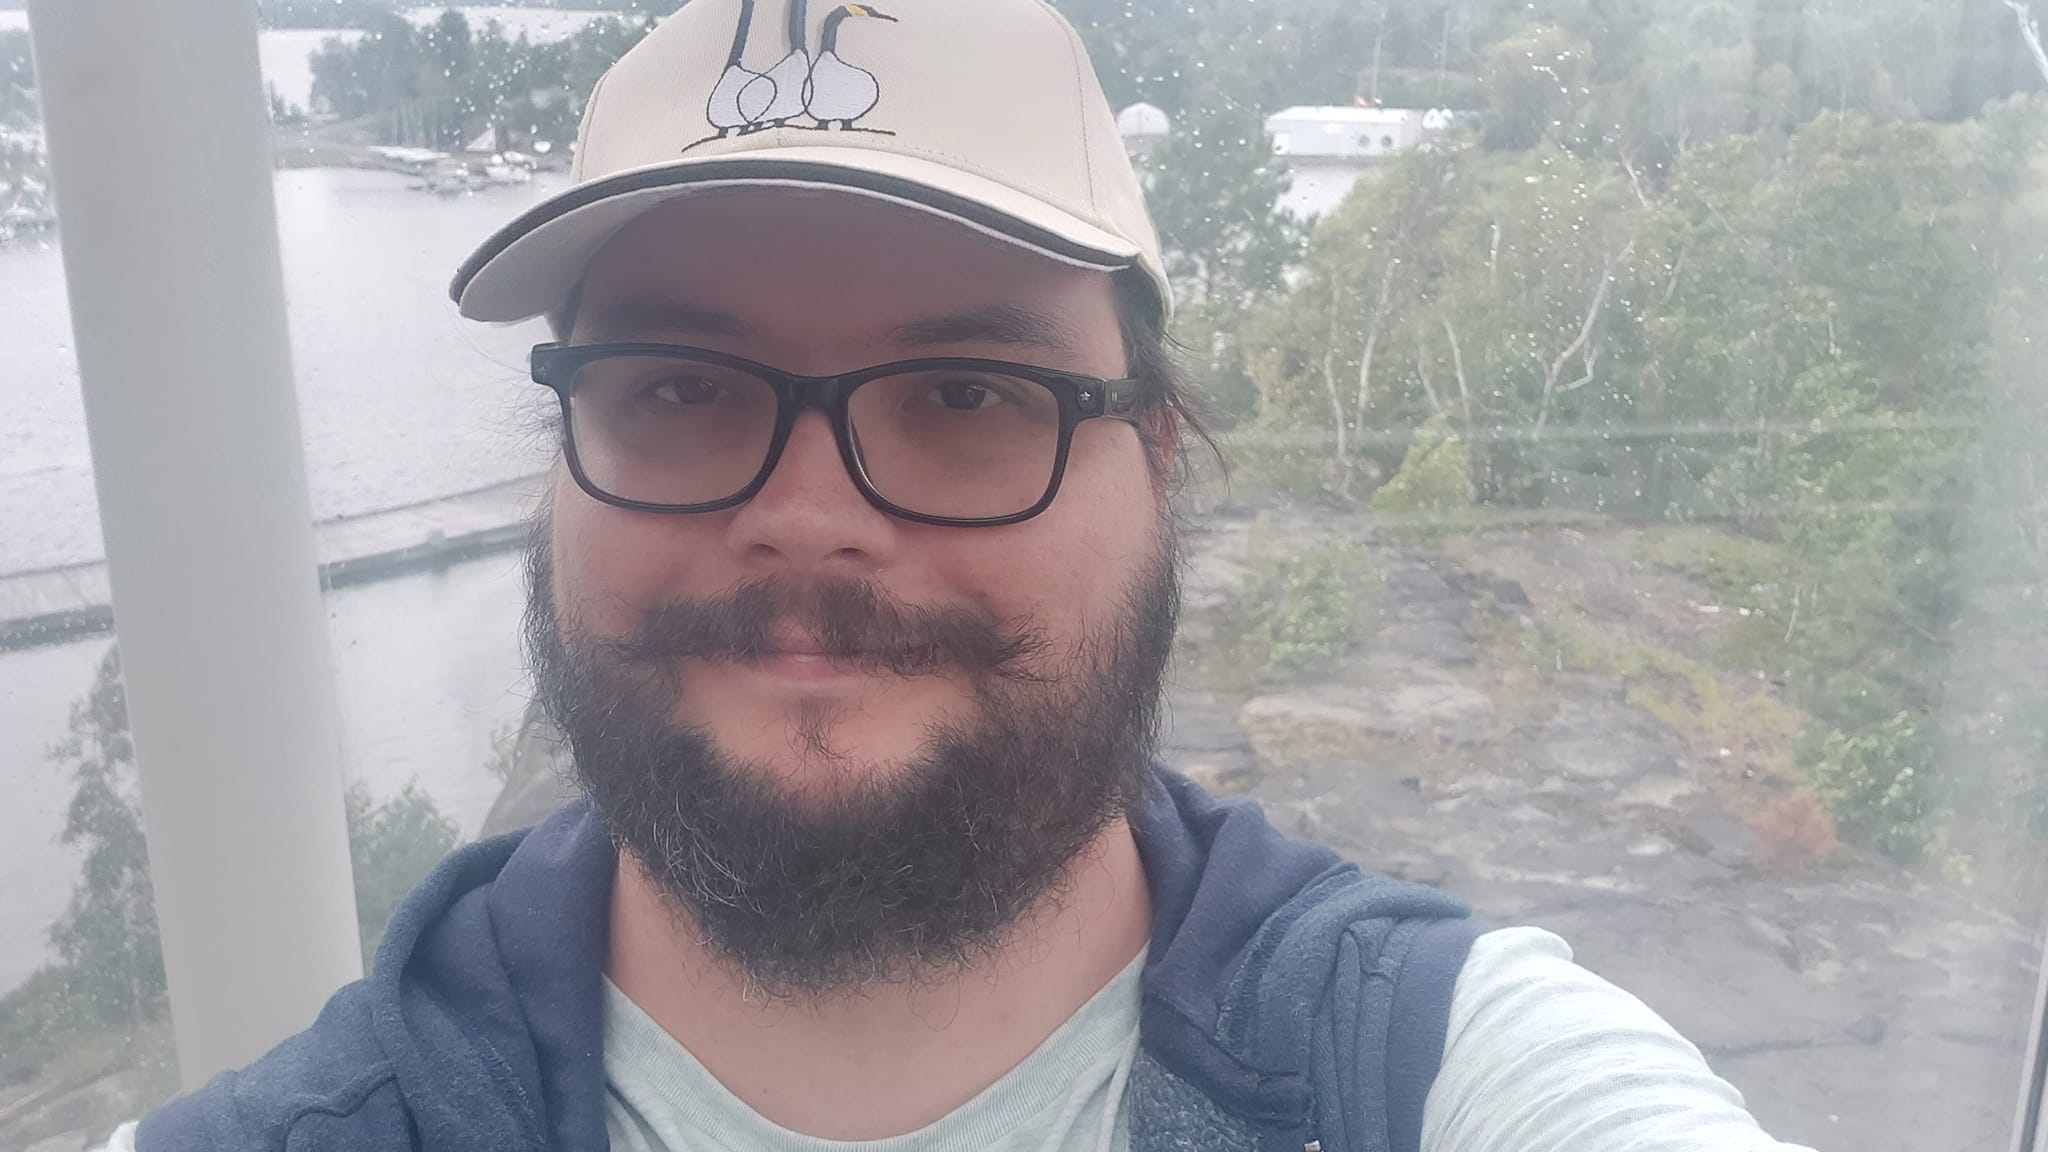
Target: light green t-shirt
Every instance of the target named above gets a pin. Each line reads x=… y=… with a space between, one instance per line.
x=1067 y=1096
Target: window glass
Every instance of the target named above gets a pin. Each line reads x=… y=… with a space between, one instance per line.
x=1633 y=521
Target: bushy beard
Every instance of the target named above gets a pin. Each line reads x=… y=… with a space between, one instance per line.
x=900 y=873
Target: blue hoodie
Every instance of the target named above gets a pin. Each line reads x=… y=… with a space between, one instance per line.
x=1289 y=1002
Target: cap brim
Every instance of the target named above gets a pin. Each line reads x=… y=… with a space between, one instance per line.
x=529 y=267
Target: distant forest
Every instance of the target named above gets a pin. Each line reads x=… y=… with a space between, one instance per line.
x=363 y=13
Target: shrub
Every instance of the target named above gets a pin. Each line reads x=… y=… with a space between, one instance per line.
x=1434 y=482
x=1794 y=829
x=1306 y=606
x=1879 y=786
x=393 y=846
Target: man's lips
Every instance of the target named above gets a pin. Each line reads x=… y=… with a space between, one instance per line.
x=807 y=666
x=805 y=648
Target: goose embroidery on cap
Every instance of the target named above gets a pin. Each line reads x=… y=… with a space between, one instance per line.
x=832 y=92
x=736 y=101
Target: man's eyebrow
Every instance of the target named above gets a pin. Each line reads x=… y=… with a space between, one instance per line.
x=644 y=317
x=1006 y=324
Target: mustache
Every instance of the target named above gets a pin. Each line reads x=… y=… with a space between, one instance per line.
x=850 y=621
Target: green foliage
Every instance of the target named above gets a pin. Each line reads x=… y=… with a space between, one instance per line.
x=1491 y=292
x=106 y=986
x=1213 y=185
x=1434 y=482
x=1738 y=570
x=36 y=1022
x=1307 y=606
x=441 y=85
x=107 y=938
x=17 y=79
x=1536 y=84
x=1879 y=785
x=393 y=846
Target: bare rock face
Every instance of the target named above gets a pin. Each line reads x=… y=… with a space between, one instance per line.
x=1854 y=1004
x=1617 y=754
x=1425 y=616
x=1398 y=699
x=1200 y=741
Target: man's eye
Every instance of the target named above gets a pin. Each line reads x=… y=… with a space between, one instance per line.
x=967 y=395
x=683 y=390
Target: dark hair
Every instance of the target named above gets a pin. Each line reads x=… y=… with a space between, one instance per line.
x=1149 y=358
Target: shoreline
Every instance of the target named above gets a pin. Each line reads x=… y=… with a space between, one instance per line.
x=56 y=605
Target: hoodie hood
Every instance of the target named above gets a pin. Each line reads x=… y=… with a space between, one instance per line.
x=482 y=1015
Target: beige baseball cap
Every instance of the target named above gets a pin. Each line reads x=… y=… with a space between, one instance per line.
x=983 y=112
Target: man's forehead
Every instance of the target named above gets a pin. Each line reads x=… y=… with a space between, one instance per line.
x=661 y=317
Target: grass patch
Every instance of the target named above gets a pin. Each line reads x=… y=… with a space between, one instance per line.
x=1434 y=482
x=1302 y=611
x=1741 y=571
x=1691 y=697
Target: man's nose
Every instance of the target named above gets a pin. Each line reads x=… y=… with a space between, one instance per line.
x=810 y=515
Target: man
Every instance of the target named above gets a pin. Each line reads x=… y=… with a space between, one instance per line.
x=854 y=596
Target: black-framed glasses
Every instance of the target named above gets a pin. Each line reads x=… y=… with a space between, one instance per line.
x=945 y=440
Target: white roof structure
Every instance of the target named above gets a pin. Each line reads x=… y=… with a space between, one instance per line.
x=1346 y=114
x=1329 y=148
x=1142 y=120
x=1340 y=132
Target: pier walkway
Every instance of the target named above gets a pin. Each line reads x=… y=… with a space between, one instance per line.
x=53 y=605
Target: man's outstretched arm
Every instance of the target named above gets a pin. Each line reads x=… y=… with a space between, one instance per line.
x=1541 y=1055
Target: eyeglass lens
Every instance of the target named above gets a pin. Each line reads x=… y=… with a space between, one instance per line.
x=947 y=442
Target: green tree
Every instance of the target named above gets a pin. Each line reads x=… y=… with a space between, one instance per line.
x=107 y=938
x=1322 y=354
x=1213 y=186
x=108 y=977
x=1538 y=89
x=1691 y=75
x=1487 y=291
x=443 y=85
x=392 y=845
x=17 y=80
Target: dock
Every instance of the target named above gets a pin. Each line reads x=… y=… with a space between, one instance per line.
x=55 y=605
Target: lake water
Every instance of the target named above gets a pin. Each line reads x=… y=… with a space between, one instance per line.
x=401 y=400
x=284 y=51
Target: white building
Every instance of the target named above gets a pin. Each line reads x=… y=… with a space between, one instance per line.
x=1142 y=126
x=1326 y=148
x=1329 y=147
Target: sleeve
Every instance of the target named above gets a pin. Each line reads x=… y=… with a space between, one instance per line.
x=1541 y=1055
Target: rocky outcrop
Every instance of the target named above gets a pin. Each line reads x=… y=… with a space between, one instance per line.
x=1855 y=1005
